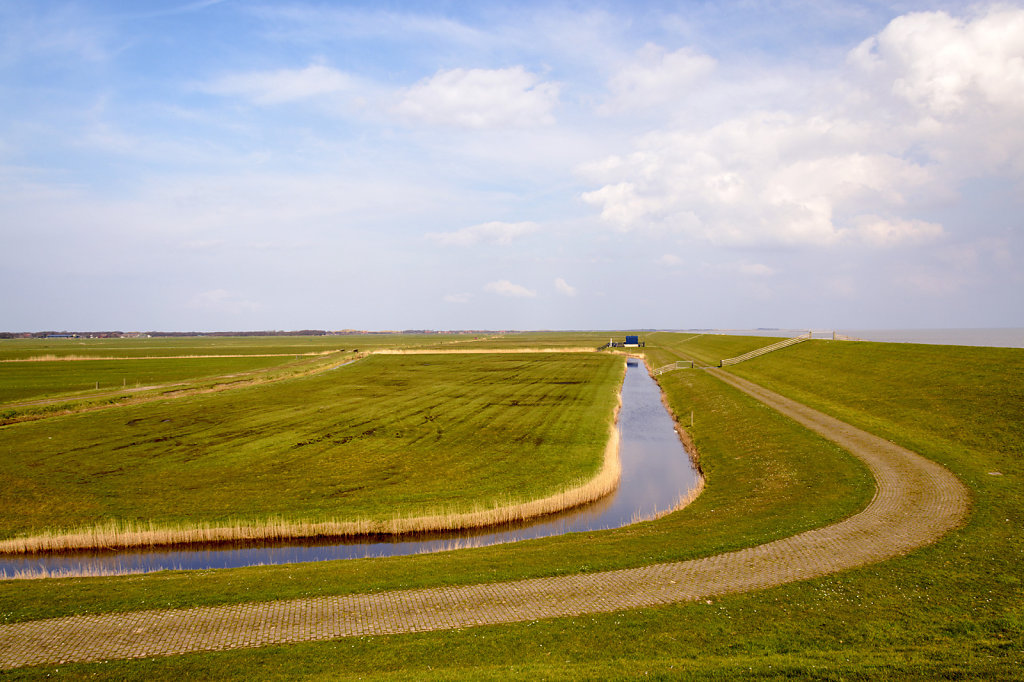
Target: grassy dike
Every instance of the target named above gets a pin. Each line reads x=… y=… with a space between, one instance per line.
x=766 y=479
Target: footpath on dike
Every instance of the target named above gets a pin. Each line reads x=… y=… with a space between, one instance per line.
x=917 y=501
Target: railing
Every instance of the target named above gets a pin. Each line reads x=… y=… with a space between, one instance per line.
x=766 y=349
x=678 y=364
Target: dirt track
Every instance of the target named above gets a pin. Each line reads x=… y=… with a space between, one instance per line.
x=917 y=501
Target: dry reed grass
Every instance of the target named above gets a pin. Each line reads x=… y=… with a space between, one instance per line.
x=43 y=572
x=127 y=534
x=471 y=351
x=683 y=501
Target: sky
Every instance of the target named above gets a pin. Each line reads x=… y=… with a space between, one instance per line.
x=223 y=165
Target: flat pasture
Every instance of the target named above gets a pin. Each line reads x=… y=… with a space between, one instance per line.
x=386 y=436
x=952 y=610
x=25 y=381
x=514 y=340
x=183 y=346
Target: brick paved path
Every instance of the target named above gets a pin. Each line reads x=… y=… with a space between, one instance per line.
x=917 y=501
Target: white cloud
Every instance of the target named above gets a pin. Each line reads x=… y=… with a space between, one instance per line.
x=504 y=287
x=881 y=232
x=564 y=288
x=963 y=79
x=281 y=85
x=670 y=260
x=946 y=64
x=482 y=98
x=457 y=298
x=494 y=232
x=818 y=170
x=764 y=178
x=655 y=77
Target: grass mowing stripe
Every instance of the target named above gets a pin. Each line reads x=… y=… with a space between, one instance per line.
x=34 y=380
x=391 y=436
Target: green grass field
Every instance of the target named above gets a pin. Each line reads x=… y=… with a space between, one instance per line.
x=219 y=345
x=708 y=349
x=25 y=381
x=952 y=610
x=389 y=435
x=68 y=369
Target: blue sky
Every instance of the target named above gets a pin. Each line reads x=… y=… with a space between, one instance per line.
x=280 y=165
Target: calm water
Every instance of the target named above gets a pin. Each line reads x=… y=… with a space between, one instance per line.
x=1004 y=337
x=656 y=471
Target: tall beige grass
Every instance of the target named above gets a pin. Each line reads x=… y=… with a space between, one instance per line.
x=473 y=351
x=124 y=535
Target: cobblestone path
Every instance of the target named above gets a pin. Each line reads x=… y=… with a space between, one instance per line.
x=917 y=501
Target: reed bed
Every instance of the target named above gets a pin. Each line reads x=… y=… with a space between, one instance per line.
x=481 y=351
x=127 y=535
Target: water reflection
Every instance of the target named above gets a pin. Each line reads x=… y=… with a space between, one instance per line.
x=656 y=472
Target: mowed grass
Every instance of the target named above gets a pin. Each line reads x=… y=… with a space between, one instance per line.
x=513 y=340
x=949 y=611
x=24 y=381
x=386 y=436
x=35 y=369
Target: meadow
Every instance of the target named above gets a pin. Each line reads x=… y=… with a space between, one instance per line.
x=706 y=349
x=42 y=379
x=950 y=610
x=184 y=346
x=389 y=436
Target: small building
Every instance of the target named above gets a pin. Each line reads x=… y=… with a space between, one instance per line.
x=630 y=342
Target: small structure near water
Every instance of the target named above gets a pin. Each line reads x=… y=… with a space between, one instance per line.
x=632 y=341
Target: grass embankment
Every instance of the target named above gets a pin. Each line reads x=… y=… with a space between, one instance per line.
x=707 y=349
x=952 y=610
x=363 y=449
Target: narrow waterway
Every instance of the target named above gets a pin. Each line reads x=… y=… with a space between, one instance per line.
x=656 y=472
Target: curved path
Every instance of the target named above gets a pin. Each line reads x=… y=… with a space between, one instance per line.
x=916 y=502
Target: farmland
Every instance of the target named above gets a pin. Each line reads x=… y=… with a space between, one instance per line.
x=950 y=609
x=388 y=436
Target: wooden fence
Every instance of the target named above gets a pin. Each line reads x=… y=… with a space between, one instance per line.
x=766 y=349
